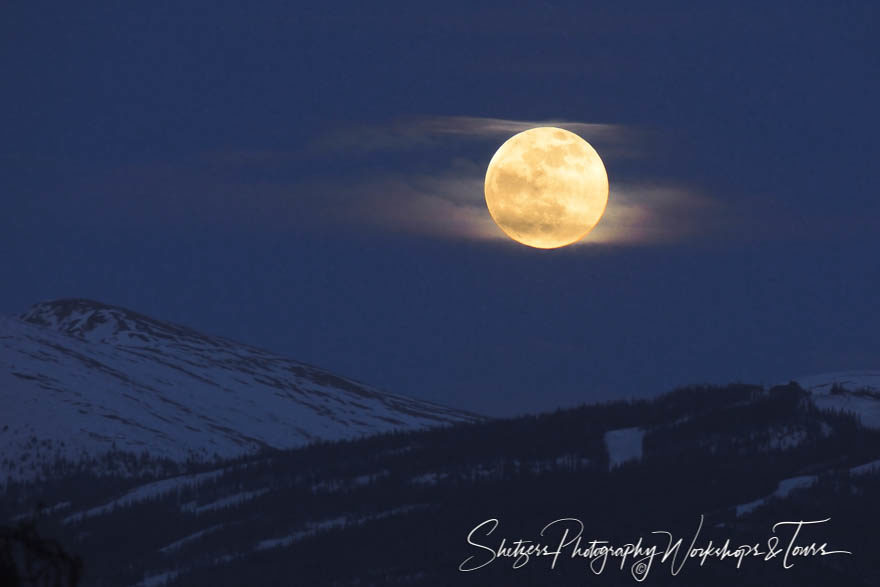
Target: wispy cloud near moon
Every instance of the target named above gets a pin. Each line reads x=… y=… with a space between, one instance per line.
x=430 y=130
x=449 y=202
x=444 y=200
x=451 y=205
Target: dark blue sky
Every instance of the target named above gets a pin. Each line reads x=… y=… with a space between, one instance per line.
x=300 y=179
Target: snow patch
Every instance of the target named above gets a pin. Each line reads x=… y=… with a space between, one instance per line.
x=144 y=492
x=313 y=528
x=310 y=530
x=851 y=380
x=224 y=502
x=624 y=445
x=786 y=439
x=42 y=512
x=783 y=489
x=158 y=579
x=865 y=469
x=178 y=544
x=429 y=479
x=335 y=485
x=857 y=392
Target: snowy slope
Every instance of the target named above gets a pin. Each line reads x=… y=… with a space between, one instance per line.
x=79 y=378
x=853 y=391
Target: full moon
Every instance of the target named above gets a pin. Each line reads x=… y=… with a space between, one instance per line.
x=546 y=187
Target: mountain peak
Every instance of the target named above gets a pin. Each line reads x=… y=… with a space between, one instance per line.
x=99 y=322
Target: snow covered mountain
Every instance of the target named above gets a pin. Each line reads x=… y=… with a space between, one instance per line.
x=79 y=378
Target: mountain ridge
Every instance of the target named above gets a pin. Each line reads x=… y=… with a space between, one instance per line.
x=80 y=378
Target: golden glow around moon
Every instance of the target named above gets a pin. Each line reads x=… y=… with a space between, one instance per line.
x=546 y=187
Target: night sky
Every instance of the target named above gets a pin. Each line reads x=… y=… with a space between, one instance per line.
x=308 y=179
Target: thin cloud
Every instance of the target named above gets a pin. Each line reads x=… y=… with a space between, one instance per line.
x=444 y=205
x=640 y=213
x=427 y=131
x=252 y=190
x=450 y=204
x=476 y=127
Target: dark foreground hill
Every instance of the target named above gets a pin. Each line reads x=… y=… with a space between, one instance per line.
x=397 y=509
